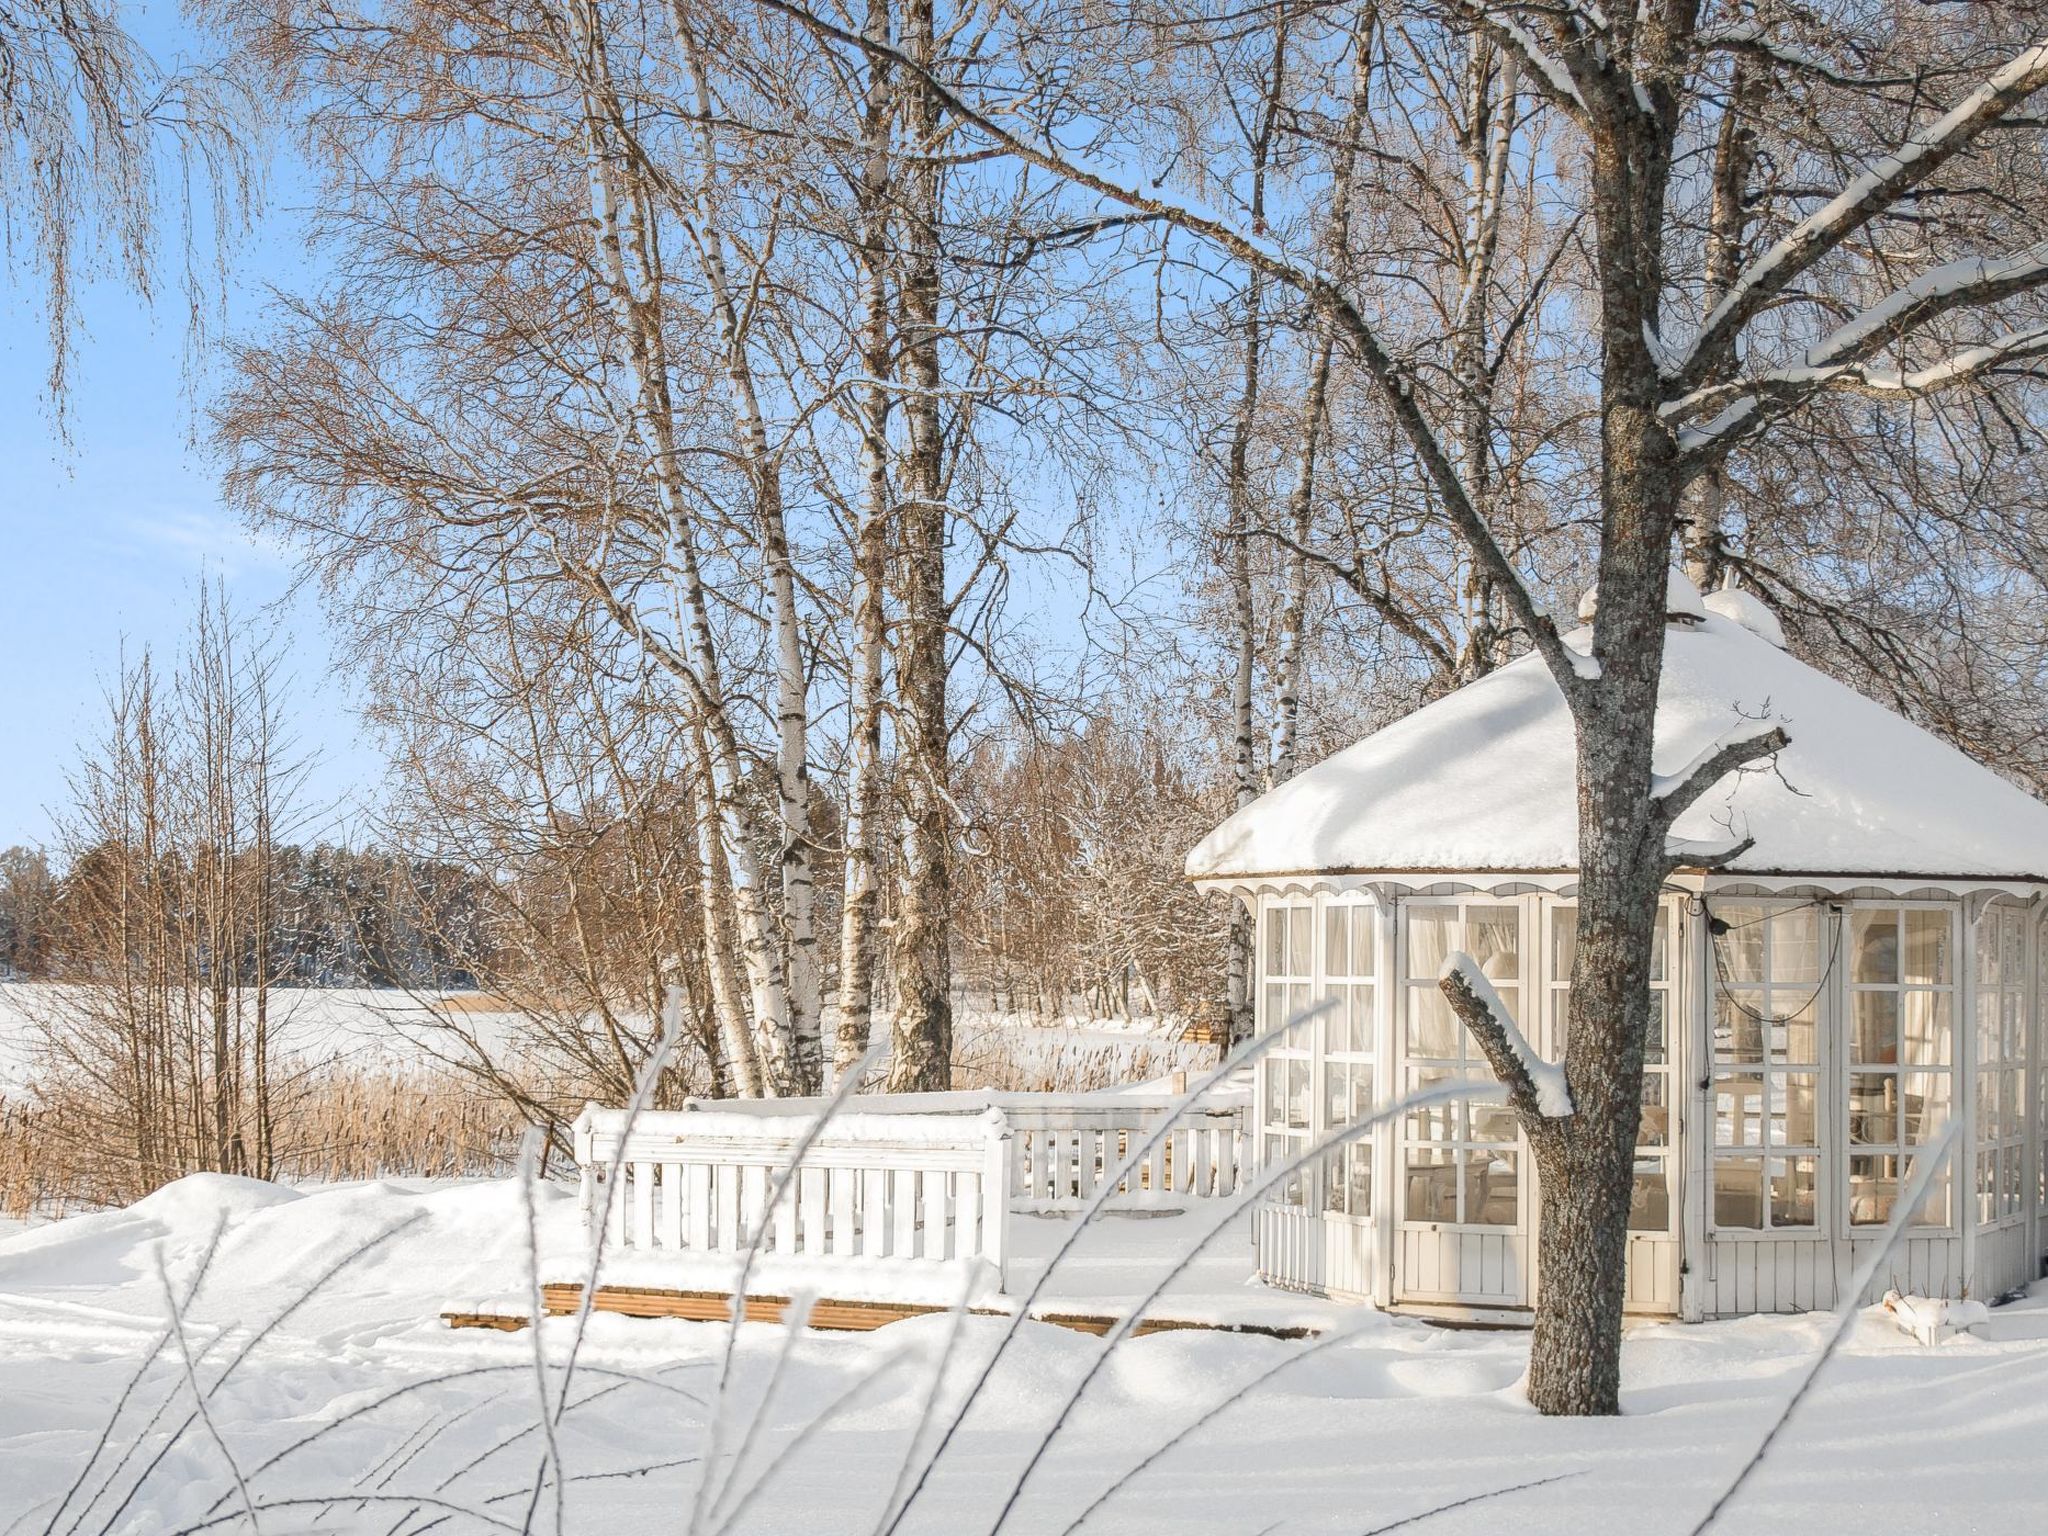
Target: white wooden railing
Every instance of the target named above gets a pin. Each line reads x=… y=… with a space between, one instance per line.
x=927 y=1178
x=1061 y=1154
x=871 y=1186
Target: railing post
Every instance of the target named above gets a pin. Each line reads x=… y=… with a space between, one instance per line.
x=995 y=1198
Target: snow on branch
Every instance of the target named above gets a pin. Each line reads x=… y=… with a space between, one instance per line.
x=1535 y=1086
x=1673 y=793
x=1760 y=400
x=1861 y=200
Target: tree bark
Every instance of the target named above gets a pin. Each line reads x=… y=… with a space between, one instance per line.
x=922 y=1037
x=870 y=570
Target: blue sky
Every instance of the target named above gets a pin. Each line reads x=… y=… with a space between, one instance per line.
x=106 y=540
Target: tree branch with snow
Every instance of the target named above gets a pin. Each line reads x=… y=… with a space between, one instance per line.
x=1862 y=199
x=1673 y=794
x=1536 y=1087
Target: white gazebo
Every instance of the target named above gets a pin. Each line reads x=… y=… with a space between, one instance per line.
x=1867 y=972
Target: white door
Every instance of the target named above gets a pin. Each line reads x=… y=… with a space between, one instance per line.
x=1461 y=1188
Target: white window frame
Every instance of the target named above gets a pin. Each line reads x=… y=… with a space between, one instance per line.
x=1771 y=1073
x=1841 y=1035
x=1998 y=1029
x=1462 y=1144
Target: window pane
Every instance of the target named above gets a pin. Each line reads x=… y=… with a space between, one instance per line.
x=1430 y=938
x=1987 y=1027
x=1432 y=1180
x=1738 y=1192
x=1874 y=1034
x=1276 y=941
x=1873 y=1190
x=1494 y=936
x=1795 y=945
x=1299 y=1002
x=1649 y=1203
x=1794 y=1038
x=1874 y=946
x=1933 y=1211
x=1336 y=941
x=1873 y=1109
x=1300 y=961
x=1740 y=951
x=1657 y=944
x=1359 y=1167
x=1656 y=1126
x=1276 y=1006
x=1653 y=1040
x=1364 y=951
x=1924 y=1025
x=1432 y=1122
x=1564 y=941
x=1491 y=1189
x=1297 y=1095
x=1491 y=1122
x=1792 y=1113
x=1927 y=945
x=1336 y=1095
x=1274 y=1107
x=1432 y=1028
x=1738 y=1031
x=1364 y=1017
x=1738 y=1109
x=1794 y=1184
x=1924 y=1097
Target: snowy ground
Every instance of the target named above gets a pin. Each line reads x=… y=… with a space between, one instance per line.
x=1347 y=1437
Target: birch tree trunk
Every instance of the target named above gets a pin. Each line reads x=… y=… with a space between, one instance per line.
x=629 y=257
x=792 y=710
x=922 y=1040
x=870 y=566
x=1238 y=493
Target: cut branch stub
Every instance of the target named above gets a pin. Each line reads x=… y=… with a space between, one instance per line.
x=1536 y=1088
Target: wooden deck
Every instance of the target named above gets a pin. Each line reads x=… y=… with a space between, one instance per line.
x=826 y=1315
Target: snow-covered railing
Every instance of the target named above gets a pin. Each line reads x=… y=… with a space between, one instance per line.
x=871 y=1186
x=926 y=1177
x=1061 y=1154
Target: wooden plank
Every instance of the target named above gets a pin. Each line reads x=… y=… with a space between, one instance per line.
x=829 y=1314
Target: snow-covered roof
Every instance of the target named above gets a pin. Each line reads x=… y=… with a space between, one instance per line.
x=1482 y=780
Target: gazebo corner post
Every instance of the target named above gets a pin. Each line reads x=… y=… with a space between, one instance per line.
x=1962 y=1161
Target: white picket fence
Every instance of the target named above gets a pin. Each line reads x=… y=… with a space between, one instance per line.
x=921 y=1178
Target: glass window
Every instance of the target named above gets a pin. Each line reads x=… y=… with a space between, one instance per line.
x=2001 y=1076
x=1767 y=975
x=1349 y=1077
x=1460 y=1164
x=1286 y=990
x=1901 y=1003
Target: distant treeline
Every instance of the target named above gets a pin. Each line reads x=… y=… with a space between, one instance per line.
x=337 y=917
